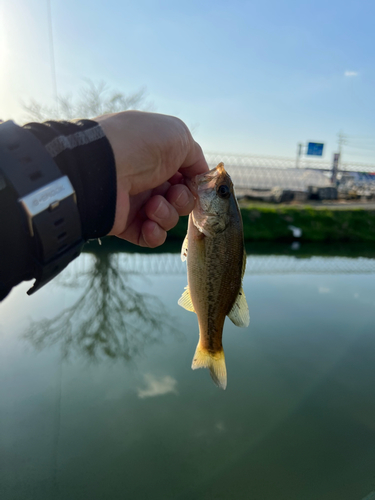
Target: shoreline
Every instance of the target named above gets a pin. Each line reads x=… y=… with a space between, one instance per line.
x=316 y=223
x=267 y=230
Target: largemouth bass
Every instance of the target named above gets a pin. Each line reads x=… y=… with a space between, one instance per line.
x=216 y=260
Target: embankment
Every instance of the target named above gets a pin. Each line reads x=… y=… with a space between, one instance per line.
x=269 y=223
x=325 y=231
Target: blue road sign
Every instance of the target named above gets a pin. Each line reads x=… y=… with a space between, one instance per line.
x=315 y=149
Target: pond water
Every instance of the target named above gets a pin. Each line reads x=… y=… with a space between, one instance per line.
x=98 y=400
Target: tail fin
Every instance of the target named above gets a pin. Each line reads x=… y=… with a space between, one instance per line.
x=214 y=361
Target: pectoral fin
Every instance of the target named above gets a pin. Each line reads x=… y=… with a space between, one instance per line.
x=185 y=300
x=239 y=314
x=184 y=249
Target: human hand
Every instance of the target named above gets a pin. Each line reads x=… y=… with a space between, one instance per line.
x=154 y=155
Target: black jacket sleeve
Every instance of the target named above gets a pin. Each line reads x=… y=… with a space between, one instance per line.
x=83 y=153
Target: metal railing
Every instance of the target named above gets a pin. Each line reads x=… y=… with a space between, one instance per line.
x=170 y=264
x=235 y=161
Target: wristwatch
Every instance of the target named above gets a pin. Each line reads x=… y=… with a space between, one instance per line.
x=47 y=200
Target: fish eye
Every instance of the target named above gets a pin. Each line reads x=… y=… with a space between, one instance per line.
x=223 y=191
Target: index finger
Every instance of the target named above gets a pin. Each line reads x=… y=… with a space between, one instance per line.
x=195 y=163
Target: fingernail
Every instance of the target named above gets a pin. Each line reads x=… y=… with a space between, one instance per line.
x=162 y=211
x=155 y=231
x=182 y=200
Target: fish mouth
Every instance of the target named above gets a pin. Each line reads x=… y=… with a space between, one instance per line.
x=192 y=185
x=209 y=179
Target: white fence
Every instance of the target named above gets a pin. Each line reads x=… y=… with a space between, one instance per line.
x=233 y=161
x=170 y=264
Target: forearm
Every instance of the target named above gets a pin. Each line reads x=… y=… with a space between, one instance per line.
x=129 y=182
x=84 y=155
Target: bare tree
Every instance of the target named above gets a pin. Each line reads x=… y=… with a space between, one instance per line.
x=93 y=99
x=109 y=317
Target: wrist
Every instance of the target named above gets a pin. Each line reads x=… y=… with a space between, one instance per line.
x=83 y=153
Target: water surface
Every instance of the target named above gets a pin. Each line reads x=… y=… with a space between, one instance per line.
x=98 y=401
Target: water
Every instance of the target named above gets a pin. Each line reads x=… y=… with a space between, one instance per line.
x=98 y=401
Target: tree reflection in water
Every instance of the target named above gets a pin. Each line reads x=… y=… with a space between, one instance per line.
x=109 y=319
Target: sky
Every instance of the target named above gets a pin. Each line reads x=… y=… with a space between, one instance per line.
x=248 y=77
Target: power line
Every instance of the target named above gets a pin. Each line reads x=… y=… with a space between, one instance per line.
x=52 y=54
x=356 y=154
x=366 y=137
x=365 y=148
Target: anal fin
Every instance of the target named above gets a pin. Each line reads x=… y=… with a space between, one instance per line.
x=239 y=314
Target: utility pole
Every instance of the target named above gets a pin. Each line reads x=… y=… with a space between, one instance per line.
x=342 y=140
x=335 y=167
x=299 y=152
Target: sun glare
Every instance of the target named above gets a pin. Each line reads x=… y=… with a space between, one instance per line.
x=5 y=68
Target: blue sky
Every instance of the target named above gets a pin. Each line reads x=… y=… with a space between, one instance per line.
x=249 y=77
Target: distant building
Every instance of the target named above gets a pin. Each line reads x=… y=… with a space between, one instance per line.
x=357 y=185
x=275 y=184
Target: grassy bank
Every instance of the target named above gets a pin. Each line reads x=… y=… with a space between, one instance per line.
x=345 y=232
x=269 y=223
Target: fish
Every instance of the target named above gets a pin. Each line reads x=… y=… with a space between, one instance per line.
x=216 y=260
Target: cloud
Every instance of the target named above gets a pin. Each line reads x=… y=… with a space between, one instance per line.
x=157 y=387
x=323 y=289
x=351 y=73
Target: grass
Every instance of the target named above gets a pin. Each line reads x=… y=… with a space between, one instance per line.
x=271 y=223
